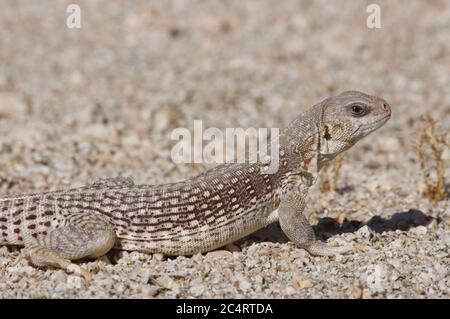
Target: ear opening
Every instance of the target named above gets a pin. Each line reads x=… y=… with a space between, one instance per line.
x=327 y=134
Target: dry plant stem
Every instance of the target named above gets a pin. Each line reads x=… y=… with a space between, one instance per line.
x=435 y=142
x=326 y=184
x=330 y=179
x=336 y=168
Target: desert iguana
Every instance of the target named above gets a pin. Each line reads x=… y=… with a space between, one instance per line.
x=205 y=212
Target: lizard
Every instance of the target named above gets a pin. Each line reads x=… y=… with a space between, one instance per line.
x=203 y=213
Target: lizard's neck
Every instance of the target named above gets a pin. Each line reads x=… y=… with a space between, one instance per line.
x=300 y=147
x=299 y=153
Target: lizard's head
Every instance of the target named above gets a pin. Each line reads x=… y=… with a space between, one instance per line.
x=348 y=117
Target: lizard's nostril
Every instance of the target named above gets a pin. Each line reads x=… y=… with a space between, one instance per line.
x=386 y=108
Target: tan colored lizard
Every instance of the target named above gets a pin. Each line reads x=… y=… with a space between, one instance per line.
x=205 y=212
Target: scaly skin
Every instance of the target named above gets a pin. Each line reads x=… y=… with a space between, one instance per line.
x=205 y=212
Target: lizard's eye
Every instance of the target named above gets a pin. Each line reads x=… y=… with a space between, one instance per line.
x=358 y=109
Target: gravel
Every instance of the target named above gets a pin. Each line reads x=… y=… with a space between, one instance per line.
x=81 y=104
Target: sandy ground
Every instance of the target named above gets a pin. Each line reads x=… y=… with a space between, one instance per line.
x=80 y=104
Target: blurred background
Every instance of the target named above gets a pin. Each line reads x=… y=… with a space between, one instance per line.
x=79 y=104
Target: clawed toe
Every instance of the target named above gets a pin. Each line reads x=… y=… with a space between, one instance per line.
x=321 y=249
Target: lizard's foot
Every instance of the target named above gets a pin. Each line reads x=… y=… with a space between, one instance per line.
x=318 y=248
x=84 y=235
x=41 y=256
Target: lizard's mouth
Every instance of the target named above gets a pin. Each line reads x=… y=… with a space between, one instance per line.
x=370 y=127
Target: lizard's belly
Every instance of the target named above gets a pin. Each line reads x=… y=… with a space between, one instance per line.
x=189 y=241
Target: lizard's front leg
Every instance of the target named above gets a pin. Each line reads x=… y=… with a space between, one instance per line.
x=296 y=227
